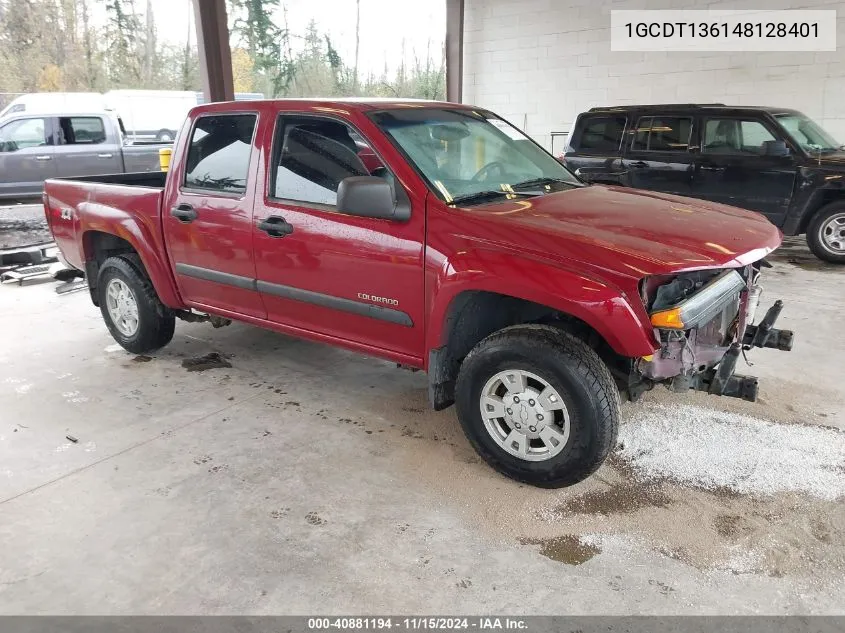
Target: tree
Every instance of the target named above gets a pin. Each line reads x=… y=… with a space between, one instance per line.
x=122 y=32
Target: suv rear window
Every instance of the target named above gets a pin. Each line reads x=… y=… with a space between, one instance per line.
x=600 y=134
x=662 y=134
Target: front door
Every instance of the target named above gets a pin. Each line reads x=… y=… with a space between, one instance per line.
x=347 y=277
x=734 y=167
x=207 y=216
x=26 y=156
x=658 y=156
x=84 y=149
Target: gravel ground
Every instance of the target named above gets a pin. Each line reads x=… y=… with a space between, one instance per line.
x=23 y=225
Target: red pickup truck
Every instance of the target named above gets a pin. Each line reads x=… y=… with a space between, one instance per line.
x=440 y=237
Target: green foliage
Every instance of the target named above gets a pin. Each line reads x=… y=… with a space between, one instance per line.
x=54 y=45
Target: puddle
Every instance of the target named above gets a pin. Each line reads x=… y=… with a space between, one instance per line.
x=203 y=363
x=568 y=549
x=624 y=498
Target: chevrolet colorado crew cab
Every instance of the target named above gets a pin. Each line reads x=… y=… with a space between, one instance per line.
x=776 y=161
x=438 y=236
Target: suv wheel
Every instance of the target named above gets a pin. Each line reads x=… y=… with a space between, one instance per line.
x=538 y=405
x=130 y=307
x=826 y=234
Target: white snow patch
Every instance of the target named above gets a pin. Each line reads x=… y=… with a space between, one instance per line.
x=715 y=449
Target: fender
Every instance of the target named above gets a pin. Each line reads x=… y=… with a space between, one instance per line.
x=816 y=188
x=604 y=307
x=139 y=226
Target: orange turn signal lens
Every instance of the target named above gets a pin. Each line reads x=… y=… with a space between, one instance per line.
x=670 y=319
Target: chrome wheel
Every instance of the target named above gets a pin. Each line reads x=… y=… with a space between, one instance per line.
x=832 y=233
x=525 y=415
x=122 y=307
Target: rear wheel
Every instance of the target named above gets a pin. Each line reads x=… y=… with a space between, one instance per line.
x=131 y=309
x=538 y=405
x=826 y=233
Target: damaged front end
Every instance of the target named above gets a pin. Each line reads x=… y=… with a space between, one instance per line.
x=704 y=321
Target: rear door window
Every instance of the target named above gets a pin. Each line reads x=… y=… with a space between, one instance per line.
x=77 y=130
x=219 y=153
x=662 y=134
x=600 y=134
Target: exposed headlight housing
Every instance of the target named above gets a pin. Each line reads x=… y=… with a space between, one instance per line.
x=702 y=306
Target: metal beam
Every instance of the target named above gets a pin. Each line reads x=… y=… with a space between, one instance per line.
x=454 y=50
x=214 y=52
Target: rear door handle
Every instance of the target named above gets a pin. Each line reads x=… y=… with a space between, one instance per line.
x=638 y=164
x=711 y=168
x=104 y=155
x=43 y=157
x=275 y=226
x=184 y=212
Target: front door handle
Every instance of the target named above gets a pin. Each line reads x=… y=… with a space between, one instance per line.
x=639 y=164
x=104 y=155
x=184 y=212
x=275 y=226
x=43 y=157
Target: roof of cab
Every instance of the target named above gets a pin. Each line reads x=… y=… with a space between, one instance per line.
x=351 y=103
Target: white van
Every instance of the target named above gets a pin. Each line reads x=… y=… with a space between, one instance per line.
x=53 y=102
x=151 y=114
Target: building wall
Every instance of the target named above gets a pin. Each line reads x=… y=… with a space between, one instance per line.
x=539 y=63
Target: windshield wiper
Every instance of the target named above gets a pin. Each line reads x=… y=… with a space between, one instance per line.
x=539 y=182
x=481 y=196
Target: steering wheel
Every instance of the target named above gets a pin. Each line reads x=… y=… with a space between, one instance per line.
x=485 y=172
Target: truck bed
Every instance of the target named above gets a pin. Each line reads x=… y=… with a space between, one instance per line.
x=75 y=206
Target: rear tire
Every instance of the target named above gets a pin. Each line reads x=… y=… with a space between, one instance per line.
x=130 y=306
x=826 y=233
x=561 y=383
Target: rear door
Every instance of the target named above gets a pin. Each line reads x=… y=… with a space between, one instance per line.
x=26 y=156
x=326 y=271
x=657 y=155
x=593 y=150
x=84 y=148
x=207 y=216
x=734 y=167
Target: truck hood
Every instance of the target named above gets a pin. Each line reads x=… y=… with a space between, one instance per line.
x=635 y=233
x=833 y=159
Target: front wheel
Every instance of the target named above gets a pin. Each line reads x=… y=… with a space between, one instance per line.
x=131 y=309
x=538 y=405
x=826 y=233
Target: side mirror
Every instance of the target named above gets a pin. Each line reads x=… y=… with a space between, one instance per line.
x=775 y=148
x=369 y=197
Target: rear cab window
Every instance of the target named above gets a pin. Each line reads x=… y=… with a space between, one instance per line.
x=219 y=152
x=599 y=134
x=662 y=133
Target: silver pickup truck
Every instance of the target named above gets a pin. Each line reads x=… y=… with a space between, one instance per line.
x=35 y=147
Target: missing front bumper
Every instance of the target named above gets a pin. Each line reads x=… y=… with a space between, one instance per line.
x=718 y=377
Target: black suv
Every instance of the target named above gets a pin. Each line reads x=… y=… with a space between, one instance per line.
x=772 y=160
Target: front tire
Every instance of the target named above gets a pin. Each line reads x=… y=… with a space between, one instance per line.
x=131 y=308
x=826 y=233
x=538 y=405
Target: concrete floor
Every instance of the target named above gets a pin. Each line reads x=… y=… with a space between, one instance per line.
x=306 y=479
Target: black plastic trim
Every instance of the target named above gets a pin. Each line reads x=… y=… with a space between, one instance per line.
x=337 y=303
x=216 y=276
x=298 y=294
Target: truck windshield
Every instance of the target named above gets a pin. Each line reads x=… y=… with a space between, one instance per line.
x=470 y=156
x=807 y=133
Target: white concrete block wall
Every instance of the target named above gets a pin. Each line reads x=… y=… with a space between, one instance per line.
x=539 y=63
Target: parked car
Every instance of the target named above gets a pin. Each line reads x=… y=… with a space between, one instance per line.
x=49 y=102
x=151 y=114
x=459 y=246
x=34 y=147
x=776 y=161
